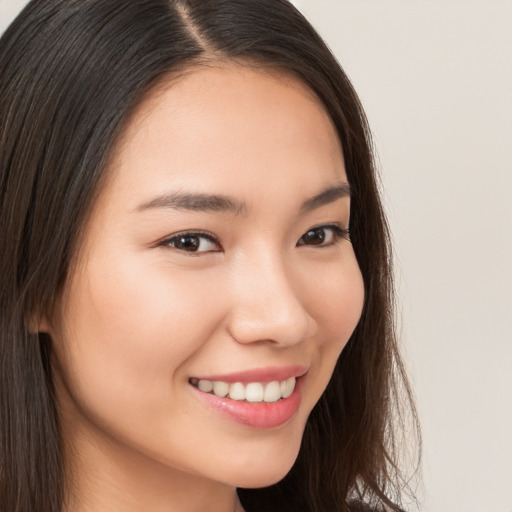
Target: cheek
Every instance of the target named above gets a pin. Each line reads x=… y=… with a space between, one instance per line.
x=337 y=302
x=337 y=305
x=130 y=326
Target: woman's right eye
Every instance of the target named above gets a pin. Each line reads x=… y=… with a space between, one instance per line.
x=193 y=242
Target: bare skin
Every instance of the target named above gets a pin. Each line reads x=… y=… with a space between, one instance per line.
x=162 y=295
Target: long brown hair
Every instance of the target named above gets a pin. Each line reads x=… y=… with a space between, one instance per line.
x=71 y=72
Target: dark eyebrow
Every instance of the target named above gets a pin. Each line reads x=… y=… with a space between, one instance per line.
x=219 y=203
x=329 y=195
x=196 y=202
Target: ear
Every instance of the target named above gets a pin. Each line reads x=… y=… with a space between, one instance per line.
x=39 y=323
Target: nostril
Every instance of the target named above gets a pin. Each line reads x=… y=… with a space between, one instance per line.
x=277 y=327
x=266 y=305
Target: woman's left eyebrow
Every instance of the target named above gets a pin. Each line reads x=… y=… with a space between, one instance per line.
x=193 y=201
x=327 y=196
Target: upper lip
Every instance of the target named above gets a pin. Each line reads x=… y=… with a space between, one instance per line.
x=268 y=374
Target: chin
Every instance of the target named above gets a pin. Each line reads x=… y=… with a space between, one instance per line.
x=261 y=480
x=264 y=473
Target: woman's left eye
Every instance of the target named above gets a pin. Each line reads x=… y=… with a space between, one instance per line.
x=193 y=242
x=324 y=235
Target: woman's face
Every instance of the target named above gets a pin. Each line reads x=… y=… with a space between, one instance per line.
x=215 y=256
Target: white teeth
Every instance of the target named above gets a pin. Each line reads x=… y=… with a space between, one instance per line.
x=220 y=388
x=252 y=392
x=288 y=388
x=205 y=385
x=237 y=391
x=272 y=392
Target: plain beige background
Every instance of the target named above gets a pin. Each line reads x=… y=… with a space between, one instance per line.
x=435 y=77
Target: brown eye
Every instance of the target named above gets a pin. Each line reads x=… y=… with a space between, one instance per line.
x=193 y=242
x=323 y=236
x=315 y=236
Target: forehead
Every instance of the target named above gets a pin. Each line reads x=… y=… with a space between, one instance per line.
x=228 y=127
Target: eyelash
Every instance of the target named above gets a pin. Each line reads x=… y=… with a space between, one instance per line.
x=338 y=233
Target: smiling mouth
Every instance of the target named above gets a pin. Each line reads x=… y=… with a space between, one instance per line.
x=253 y=392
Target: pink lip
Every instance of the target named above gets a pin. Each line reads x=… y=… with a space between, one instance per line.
x=262 y=375
x=260 y=415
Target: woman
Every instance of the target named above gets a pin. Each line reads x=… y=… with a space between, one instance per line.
x=196 y=289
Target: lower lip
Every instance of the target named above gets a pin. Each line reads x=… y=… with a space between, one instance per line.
x=261 y=415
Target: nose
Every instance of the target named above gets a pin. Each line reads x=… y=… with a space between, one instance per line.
x=266 y=303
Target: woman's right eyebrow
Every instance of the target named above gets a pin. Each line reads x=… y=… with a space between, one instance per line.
x=196 y=202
